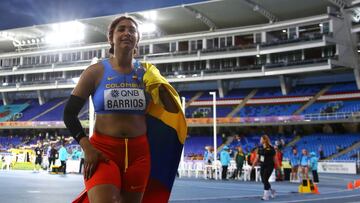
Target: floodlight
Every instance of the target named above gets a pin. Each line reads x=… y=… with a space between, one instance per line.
x=147 y=28
x=64 y=33
x=150 y=15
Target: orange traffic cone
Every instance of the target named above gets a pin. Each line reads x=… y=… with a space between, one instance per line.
x=350 y=186
x=357 y=184
x=316 y=189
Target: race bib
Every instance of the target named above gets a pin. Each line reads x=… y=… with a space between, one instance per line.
x=262 y=158
x=124 y=99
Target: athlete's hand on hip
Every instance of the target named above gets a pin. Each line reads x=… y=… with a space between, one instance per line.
x=92 y=158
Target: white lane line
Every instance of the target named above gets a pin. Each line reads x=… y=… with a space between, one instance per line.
x=317 y=199
x=248 y=196
x=217 y=197
x=33 y=191
x=237 y=189
x=336 y=178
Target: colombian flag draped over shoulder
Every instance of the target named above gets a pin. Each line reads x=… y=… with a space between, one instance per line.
x=166 y=134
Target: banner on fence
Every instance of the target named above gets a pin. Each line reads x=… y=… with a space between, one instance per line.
x=337 y=167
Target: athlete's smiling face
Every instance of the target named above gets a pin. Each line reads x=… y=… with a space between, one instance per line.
x=125 y=35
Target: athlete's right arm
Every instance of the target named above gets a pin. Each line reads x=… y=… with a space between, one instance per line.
x=77 y=100
x=84 y=88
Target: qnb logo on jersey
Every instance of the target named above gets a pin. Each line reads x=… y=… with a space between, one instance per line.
x=115 y=93
x=124 y=99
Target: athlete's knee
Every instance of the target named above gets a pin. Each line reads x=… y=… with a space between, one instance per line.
x=131 y=197
x=104 y=194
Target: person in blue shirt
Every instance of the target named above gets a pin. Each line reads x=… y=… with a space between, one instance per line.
x=63 y=156
x=294 y=162
x=75 y=154
x=313 y=166
x=225 y=161
x=208 y=160
x=208 y=155
x=304 y=164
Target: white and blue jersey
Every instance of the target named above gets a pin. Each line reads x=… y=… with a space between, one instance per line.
x=120 y=93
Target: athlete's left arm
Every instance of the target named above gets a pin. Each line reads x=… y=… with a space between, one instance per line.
x=167 y=100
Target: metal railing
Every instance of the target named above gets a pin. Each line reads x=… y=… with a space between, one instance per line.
x=332 y=116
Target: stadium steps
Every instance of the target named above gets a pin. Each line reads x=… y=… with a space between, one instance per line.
x=312 y=100
x=195 y=97
x=242 y=103
x=293 y=141
x=354 y=146
x=50 y=109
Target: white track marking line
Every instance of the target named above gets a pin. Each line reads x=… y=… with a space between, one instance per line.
x=33 y=191
x=317 y=199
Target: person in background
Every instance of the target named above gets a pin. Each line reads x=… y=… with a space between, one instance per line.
x=239 y=159
x=313 y=166
x=294 y=162
x=38 y=156
x=321 y=152
x=208 y=156
x=338 y=148
x=208 y=160
x=253 y=155
x=225 y=161
x=63 y=156
x=266 y=157
x=237 y=140
x=304 y=164
x=75 y=154
x=6 y=162
x=48 y=155
x=81 y=160
x=53 y=155
x=279 y=158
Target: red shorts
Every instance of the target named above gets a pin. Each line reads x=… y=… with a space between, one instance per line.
x=129 y=165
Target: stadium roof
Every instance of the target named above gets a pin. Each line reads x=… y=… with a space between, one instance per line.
x=201 y=16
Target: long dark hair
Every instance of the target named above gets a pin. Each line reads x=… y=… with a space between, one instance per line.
x=266 y=140
x=112 y=27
